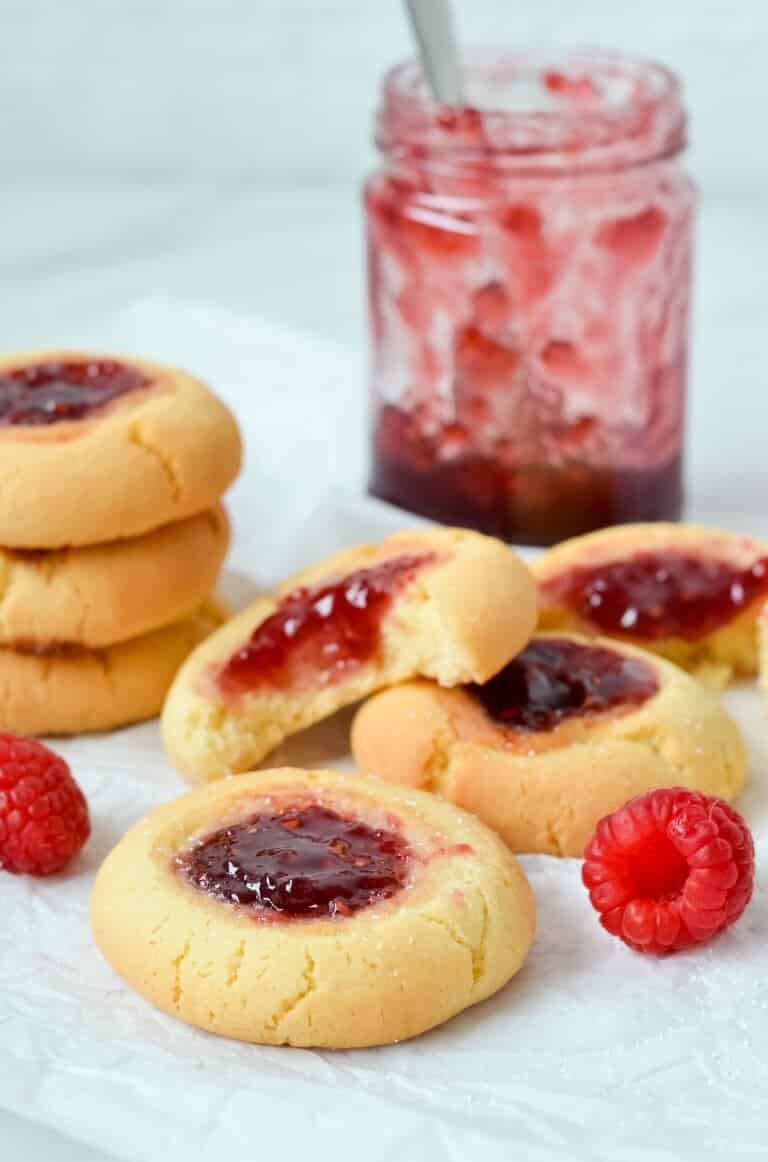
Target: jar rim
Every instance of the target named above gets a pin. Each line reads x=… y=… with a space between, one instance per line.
x=537 y=110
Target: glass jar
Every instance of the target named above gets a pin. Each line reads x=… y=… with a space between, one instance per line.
x=529 y=278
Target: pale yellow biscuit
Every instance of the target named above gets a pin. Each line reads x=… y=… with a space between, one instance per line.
x=152 y=456
x=544 y=790
x=463 y=615
x=717 y=656
x=99 y=595
x=454 y=934
x=74 y=690
x=762 y=650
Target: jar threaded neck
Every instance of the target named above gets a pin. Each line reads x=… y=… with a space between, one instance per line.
x=536 y=112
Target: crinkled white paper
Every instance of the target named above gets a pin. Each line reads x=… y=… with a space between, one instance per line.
x=592 y=1053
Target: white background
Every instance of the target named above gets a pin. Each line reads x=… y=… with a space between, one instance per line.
x=278 y=92
x=215 y=150
x=164 y=141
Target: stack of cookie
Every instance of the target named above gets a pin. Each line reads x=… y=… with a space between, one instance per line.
x=111 y=475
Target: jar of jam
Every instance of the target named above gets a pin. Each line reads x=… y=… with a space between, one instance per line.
x=529 y=277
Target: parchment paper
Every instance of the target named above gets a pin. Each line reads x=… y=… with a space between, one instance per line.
x=592 y=1053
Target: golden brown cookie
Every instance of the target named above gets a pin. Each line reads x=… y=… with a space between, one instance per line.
x=309 y=908
x=99 y=595
x=569 y=731
x=446 y=603
x=74 y=690
x=94 y=448
x=690 y=594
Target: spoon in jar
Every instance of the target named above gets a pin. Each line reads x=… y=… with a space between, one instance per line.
x=433 y=26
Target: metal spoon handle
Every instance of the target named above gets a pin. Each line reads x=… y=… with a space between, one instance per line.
x=432 y=22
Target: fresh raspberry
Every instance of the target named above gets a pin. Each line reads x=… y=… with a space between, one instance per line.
x=669 y=869
x=43 y=813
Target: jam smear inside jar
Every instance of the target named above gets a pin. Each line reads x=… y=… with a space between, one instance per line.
x=301 y=862
x=554 y=679
x=319 y=634
x=49 y=393
x=529 y=270
x=667 y=594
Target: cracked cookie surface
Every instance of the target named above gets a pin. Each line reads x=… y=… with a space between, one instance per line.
x=157 y=446
x=72 y=689
x=551 y=747
x=454 y=928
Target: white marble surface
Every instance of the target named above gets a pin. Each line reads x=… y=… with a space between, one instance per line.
x=72 y=257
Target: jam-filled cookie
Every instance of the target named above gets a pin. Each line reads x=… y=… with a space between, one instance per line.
x=94 y=448
x=566 y=733
x=99 y=595
x=448 y=604
x=291 y=907
x=70 y=689
x=690 y=594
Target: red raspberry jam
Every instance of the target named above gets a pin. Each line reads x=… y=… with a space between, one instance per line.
x=48 y=393
x=301 y=863
x=535 y=504
x=529 y=279
x=320 y=634
x=555 y=679
x=661 y=595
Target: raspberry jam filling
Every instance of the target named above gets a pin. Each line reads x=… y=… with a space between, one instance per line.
x=301 y=863
x=662 y=595
x=319 y=634
x=435 y=472
x=555 y=679
x=48 y=393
